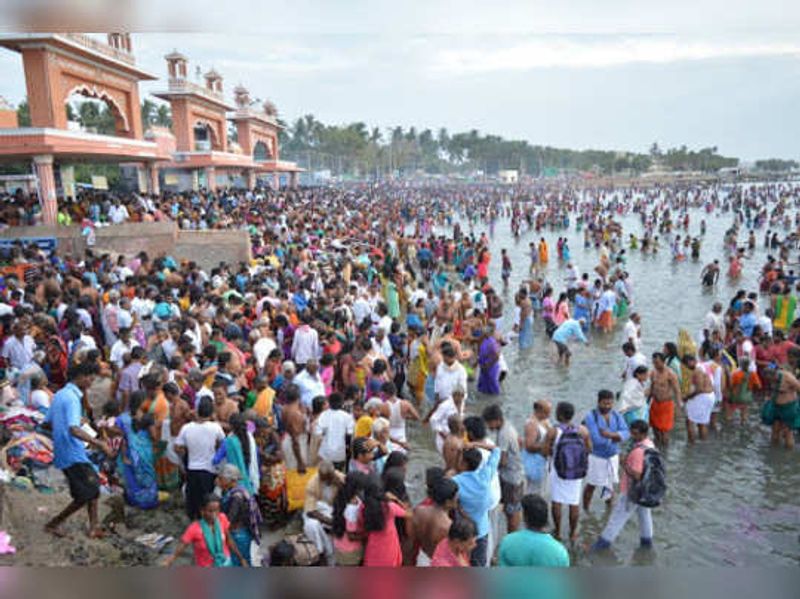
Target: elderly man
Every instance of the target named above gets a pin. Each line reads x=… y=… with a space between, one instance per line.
x=440 y=414
x=310 y=383
x=237 y=504
x=321 y=490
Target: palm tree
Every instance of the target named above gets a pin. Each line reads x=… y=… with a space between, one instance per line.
x=148 y=113
x=163 y=116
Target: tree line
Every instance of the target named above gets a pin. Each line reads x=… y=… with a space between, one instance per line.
x=357 y=150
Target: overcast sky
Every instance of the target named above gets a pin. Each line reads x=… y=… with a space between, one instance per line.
x=605 y=74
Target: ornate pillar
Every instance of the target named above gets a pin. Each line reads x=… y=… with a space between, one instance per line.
x=251 y=179
x=47 y=188
x=293 y=180
x=152 y=171
x=211 y=178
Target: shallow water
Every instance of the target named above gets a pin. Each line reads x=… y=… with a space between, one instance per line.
x=732 y=500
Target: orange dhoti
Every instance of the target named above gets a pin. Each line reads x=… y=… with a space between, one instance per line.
x=606 y=320
x=662 y=415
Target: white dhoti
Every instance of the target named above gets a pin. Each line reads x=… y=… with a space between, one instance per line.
x=316 y=532
x=603 y=472
x=698 y=409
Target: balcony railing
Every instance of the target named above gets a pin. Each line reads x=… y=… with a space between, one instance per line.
x=101 y=47
x=189 y=87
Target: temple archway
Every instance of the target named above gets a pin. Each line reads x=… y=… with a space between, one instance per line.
x=205 y=137
x=95 y=110
x=262 y=152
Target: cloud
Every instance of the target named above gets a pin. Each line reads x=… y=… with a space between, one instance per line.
x=578 y=52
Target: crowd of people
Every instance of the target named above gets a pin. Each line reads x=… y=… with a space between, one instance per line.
x=285 y=387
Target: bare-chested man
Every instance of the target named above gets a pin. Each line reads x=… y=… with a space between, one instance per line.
x=784 y=386
x=431 y=523
x=295 y=442
x=699 y=401
x=536 y=428
x=453 y=444
x=664 y=390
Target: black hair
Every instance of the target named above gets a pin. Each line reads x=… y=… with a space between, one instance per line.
x=472 y=458
x=374 y=516
x=205 y=407
x=433 y=474
x=354 y=483
x=604 y=394
x=282 y=554
x=565 y=411
x=443 y=490
x=238 y=424
x=335 y=401
x=462 y=529
x=534 y=511
x=475 y=427
x=492 y=412
x=639 y=426
x=389 y=388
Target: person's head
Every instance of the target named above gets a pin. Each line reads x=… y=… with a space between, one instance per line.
x=444 y=493
x=220 y=390
x=335 y=401
x=458 y=395
x=282 y=554
x=640 y=373
x=82 y=375
x=628 y=348
x=288 y=370
x=228 y=477
x=380 y=430
x=542 y=409
x=475 y=427
x=462 y=535
x=690 y=361
x=471 y=459
x=327 y=473
x=534 y=512
x=605 y=401
x=312 y=366
x=209 y=508
x=659 y=360
x=639 y=430
x=670 y=350
x=565 y=411
x=493 y=417
x=361 y=452
x=205 y=408
x=448 y=354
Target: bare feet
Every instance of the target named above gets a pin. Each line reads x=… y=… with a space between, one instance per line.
x=96 y=533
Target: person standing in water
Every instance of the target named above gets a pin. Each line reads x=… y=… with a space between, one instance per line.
x=665 y=389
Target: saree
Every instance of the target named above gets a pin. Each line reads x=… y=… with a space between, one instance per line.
x=526 y=332
x=141 y=488
x=784 y=311
x=272 y=499
x=235 y=455
x=488 y=360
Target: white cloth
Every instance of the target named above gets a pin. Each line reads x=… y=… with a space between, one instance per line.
x=333 y=426
x=305 y=345
x=118 y=351
x=633 y=362
x=19 y=353
x=566 y=492
x=200 y=440
x=439 y=418
x=698 y=409
x=603 y=472
x=262 y=349
x=309 y=386
x=315 y=531
x=631 y=333
x=448 y=377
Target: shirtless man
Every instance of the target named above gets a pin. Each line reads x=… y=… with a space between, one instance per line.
x=295 y=442
x=699 y=401
x=710 y=274
x=784 y=386
x=431 y=523
x=453 y=444
x=664 y=390
x=224 y=406
x=536 y=428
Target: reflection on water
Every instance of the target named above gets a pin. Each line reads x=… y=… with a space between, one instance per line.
x=732 y=500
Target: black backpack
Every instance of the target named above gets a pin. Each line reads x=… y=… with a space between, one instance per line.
x=650 y=489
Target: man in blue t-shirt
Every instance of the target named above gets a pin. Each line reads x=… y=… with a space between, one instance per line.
x=533 y=547
x=69 y=449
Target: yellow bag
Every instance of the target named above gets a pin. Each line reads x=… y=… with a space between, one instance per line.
x=296 y=487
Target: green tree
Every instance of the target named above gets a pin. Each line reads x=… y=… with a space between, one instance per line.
x=24 y=114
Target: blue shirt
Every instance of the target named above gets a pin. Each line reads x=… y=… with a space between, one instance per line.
x=601 y=446
x=473 y=492
x=569 y=329
x=747 y=322
x=65 y=412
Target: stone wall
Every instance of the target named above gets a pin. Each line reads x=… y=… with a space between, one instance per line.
x=206 y=248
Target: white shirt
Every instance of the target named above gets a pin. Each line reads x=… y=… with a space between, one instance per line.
x=200 y=440
x=632 y=363
x=361 y=310
x=305 y=344
x=765 y=322
x=118 y=214
x=333 y=426
x=439 y=420
x=448 y=378
x=632 y=334
x=309 y=386
x=19 y=353
x=715 y=322
x=262 y=349
x=119 y=349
